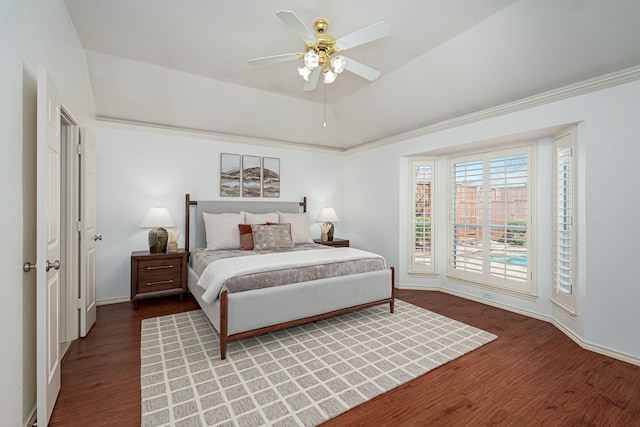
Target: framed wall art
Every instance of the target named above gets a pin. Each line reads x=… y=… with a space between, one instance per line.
x=229 y=175
x=270 y=177
x=251 y=176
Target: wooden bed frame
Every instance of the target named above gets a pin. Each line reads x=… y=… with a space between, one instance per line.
x=225 y=337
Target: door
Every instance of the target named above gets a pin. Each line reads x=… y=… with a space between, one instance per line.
x=88 y=234
x=48 y=235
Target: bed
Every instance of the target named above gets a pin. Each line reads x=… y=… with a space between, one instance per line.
x=244 y=295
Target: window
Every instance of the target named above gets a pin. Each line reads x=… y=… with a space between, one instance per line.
x=563 y=227
x=489 y=219
x=421 y=235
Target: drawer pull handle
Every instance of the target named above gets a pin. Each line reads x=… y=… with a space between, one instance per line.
x=160 y=267
x=160 y=282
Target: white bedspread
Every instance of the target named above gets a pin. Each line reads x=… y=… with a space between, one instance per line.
x=214 y=276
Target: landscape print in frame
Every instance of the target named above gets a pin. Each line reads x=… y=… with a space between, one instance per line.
x=270 y=177
x=229 y=175
x=251 y=175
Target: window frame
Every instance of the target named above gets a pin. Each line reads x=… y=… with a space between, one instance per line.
x=421 y=268
x=484 y=279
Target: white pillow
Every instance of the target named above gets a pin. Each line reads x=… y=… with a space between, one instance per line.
x=300 y=230
x=222 y=230
x=251 y=218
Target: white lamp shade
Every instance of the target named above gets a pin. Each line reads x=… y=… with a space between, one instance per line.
x=338 y=63
x=311 y=59
x=304 y=72
x=329 y=77
x=328 y=215
x=157 y=217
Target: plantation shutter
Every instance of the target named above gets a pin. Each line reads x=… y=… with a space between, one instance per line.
x=563 y=226
x=466 y=218
x=508 y=213
x=421 y=237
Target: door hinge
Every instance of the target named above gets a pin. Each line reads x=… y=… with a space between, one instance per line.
x=79 y=303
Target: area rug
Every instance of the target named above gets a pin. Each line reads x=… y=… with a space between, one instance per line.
x=300 y=376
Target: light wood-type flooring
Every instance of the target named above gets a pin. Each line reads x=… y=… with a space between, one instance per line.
x=532 y=375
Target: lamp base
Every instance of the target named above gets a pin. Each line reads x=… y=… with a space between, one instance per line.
x=158 y=238
x=330 y=233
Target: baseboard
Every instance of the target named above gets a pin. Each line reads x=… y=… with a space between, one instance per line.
x=32 y=420
x=506 y=307
x=113 y=301
x=575 y=338
x=596 y=348
x=418 y=287
x=477 y=299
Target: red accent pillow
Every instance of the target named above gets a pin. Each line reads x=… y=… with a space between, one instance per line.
x=246 y=236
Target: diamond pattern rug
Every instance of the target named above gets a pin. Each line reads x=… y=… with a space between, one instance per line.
x=300 y=376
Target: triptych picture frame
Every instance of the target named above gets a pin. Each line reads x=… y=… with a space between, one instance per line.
x=249 y=176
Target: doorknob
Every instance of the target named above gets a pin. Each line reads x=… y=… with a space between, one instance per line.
x=55 y=265
x=97 y=237
x=27 y=267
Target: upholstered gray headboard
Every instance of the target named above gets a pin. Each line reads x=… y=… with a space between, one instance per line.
x=229 y=206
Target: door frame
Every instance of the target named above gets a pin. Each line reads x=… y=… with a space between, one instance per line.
x=70 y=204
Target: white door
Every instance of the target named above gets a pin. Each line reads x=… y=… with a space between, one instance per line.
x=88 y=234
x=48 y=243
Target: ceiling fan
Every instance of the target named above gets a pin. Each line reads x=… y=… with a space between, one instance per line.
x=322 y=50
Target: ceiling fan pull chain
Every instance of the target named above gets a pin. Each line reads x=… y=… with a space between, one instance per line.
x=324 y=104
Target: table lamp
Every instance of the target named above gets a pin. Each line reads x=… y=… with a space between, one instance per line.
x=327 y=217
x=157 y=219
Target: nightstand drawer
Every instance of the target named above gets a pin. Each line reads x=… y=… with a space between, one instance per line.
x=158 y=275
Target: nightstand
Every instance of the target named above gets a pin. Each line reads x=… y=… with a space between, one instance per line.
x=336 y=243
x=157 y=275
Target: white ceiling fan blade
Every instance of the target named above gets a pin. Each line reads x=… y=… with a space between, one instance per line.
x=365 y=35
x=292 y=20
x=275 y=58
x=313 y=80
x=361 y=70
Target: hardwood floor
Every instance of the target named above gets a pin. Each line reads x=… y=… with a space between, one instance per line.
x=531 y=375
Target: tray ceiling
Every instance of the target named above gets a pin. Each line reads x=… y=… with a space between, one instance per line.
x=183 y=64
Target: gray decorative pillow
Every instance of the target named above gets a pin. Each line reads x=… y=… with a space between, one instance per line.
x=271 y=237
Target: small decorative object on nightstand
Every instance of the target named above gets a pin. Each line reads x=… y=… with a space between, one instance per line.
x=327 y=217
x=157 y=275
x=336 y=243
x=172 y=246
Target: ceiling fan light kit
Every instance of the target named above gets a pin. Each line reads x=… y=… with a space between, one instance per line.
x=320 y=54
x=321 y=50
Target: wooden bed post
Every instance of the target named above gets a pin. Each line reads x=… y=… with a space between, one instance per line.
x=393 y=289
x=187 y=214
x=223 y=325
x=186 y=223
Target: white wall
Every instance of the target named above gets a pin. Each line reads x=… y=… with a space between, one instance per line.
x=33 y=33
x=608 y=293
x=139 y=169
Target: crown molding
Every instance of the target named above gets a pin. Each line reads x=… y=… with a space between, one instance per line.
x=591 y=85
x=164 y=129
